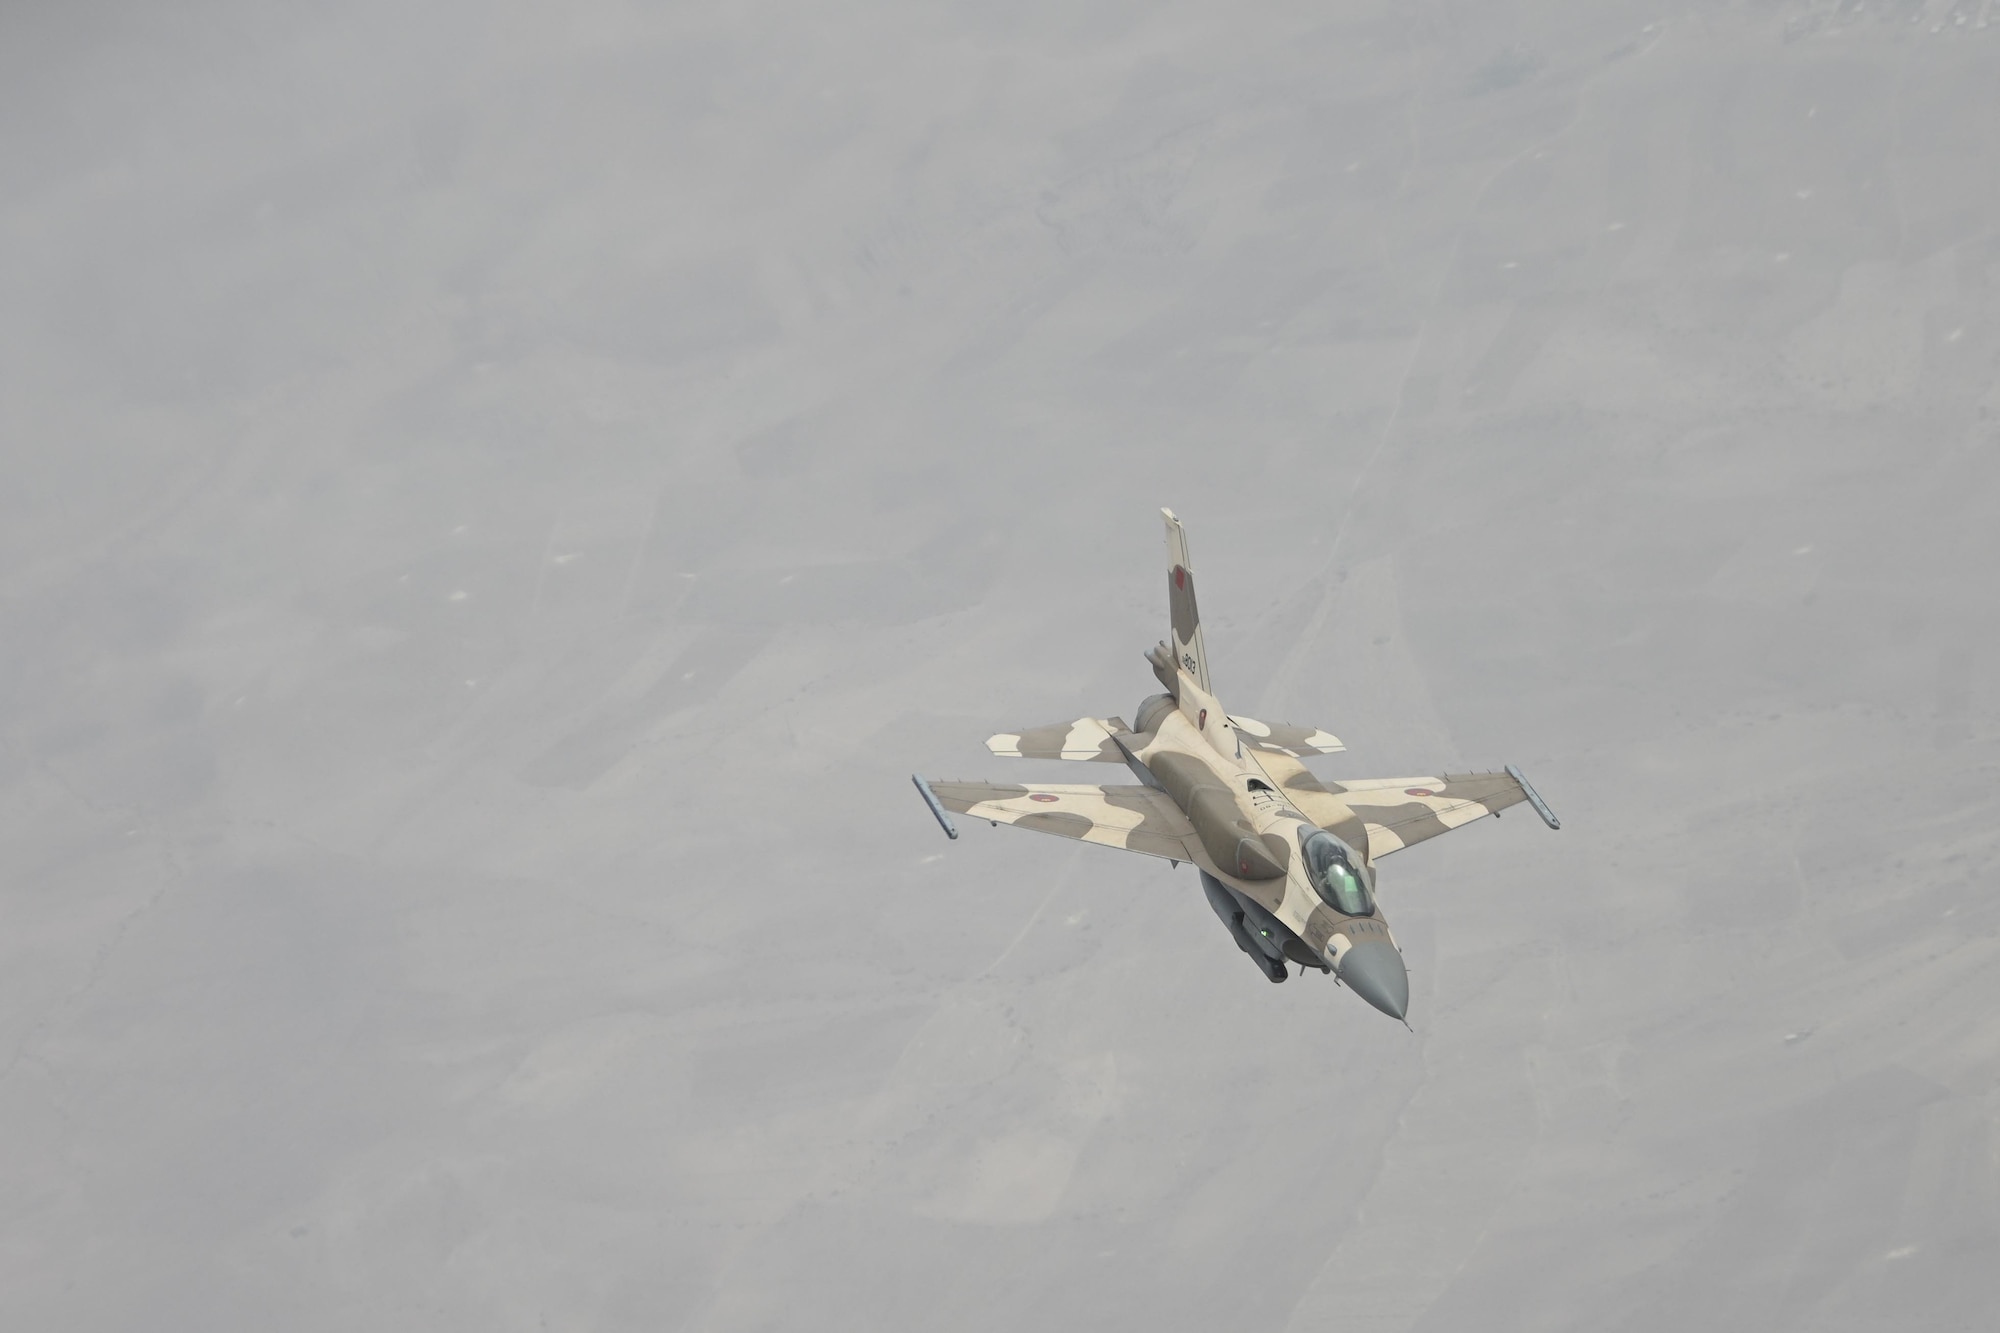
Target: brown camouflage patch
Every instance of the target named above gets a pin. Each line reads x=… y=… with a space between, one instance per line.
x=1212 y=811
x=1182 y=775
x=1320 y=927
x=1253 y=860
x=1180 y=601
x=1413 y=822
x=1301 y=955
x=1057 y=822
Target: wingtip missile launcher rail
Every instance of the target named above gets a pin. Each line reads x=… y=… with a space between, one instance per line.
x=1535 y=798
x=943 y=819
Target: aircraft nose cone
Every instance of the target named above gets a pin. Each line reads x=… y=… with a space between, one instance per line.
x=1374 y=970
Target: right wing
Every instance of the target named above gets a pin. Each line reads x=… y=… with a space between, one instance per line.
x=1087 y=738
x=1401 y=812
x=1384 y=815
x=1284 y=737
x=1137 y=819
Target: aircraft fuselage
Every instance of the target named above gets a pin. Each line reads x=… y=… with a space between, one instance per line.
x=1255 y=839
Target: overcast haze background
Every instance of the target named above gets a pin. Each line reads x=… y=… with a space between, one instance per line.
x=498 y=499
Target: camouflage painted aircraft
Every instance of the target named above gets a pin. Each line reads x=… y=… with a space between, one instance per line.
x=1287 y=861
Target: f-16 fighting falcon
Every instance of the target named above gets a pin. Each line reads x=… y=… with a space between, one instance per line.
x=1287 y=861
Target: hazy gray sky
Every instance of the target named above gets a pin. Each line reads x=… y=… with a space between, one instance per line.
x=497 y=500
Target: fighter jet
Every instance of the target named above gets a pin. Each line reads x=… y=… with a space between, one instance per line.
x=1286 y=860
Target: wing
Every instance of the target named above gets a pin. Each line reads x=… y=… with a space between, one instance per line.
x=1401 y=812
x=1284 y=737
x=1137 y=819
x=1087 y=738
x=1384 y=815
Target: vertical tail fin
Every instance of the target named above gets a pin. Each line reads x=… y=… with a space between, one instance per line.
x=1188 y=652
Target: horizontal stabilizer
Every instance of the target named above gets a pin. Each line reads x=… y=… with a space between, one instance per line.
x=1285 y=738
x=1087 y=738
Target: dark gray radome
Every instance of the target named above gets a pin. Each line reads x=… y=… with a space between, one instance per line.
x=1374 y=970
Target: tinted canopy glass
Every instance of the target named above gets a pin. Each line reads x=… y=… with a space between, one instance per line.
x=1335 y=877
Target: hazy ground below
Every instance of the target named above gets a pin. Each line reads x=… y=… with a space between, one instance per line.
x=496 y=501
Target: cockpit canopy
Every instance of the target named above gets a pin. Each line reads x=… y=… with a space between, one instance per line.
x=1334 y=875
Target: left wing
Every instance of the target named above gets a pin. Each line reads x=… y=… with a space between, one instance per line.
x=1401 y=812
x=1137 y=819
